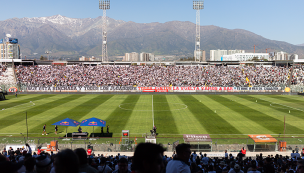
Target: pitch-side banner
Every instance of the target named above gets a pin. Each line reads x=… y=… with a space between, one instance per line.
x=147 y=89
x=187 y=88
x=256 y=88
x=197 y=138
x=83 y=88
x=263 y=138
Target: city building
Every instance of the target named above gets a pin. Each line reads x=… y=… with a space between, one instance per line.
x=230 y=52
x=280 y=56
x=294 y=57
x=131 y=57
x=216 y=55
x=245 y=57
x=152 y=57
x=9 y=48
x=83 y=58
x=144 y=57
x=201 y=55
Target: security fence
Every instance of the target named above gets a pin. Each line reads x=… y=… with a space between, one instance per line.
x=116 y=144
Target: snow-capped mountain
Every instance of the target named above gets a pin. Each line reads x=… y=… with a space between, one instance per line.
x=70 y=26
x=72 y=37
x=57 y=19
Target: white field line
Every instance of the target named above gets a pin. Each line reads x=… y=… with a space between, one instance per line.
x=214 y=134
x=152 y=112
x=18 y=133
x=184 y=107
x=33 y=104
x=165 y=134
x=282 y=105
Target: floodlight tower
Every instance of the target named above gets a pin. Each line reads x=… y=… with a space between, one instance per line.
x=104 y=5
x=198 y=5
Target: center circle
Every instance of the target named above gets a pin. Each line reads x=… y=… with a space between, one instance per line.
x=158 y=106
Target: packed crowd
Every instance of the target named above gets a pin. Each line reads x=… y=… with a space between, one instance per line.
x=2 y=69
x=145 y=76
x=7 y=76
x=298 y=76
x=148 y=158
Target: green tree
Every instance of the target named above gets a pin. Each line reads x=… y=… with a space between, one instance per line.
x=255 y=59
x=42 y=58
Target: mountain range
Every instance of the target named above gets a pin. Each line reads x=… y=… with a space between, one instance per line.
x=71 y=38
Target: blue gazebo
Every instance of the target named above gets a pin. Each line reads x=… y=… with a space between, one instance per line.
x=67 y=122
x=93 y=122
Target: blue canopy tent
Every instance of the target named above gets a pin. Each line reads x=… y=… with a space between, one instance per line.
x=67 y=122
x=93 y=122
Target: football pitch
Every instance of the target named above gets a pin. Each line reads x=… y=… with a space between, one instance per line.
x=220 y=116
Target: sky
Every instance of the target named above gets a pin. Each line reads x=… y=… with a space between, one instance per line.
x=281 y=20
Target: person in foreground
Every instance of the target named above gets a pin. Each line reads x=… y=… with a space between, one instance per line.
x=122 y=166
x=66 y=161
x=300 y=168
x=148 y=158
x=180 y=163
x=83 y=161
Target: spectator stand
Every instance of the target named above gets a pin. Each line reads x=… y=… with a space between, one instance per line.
x=263 y=139
x=199 y=142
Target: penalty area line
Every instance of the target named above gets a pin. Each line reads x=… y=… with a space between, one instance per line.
x=282 y=105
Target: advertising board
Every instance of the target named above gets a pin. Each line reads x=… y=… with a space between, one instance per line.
x=197 y=138
x=13 y=40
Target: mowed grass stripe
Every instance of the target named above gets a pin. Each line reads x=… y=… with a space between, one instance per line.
x=19 y=101
x=37 y=122
x=140 y=120
x=77 y=113
x=163 y=118
x=257 y=114
x=103 y=111
x=280 y=108
x=291 y=120
x=211 y=121
x=241 y=123
x=20 y=116
x=12 y=96
x=184 y=119
x=119 y=117
x=41 y=118
x=290 y=99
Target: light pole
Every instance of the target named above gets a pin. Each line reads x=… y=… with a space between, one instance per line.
x=48 y=52
x=198 y=5
x=104 y=5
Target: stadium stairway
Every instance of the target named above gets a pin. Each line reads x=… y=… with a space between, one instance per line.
x=8 y=77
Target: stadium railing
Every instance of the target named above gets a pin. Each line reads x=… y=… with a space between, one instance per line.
x=115 y=144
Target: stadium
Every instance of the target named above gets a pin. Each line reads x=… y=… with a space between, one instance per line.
x=236 y=112
x=213 y=108
x=222 y=101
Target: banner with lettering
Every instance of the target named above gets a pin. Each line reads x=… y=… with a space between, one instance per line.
x=157 y=89
x=197 y=138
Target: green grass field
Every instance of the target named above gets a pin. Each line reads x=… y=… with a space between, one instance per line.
x=221 y=116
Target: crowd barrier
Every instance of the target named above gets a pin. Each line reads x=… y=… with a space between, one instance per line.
x=116 y=144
